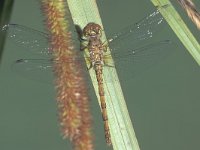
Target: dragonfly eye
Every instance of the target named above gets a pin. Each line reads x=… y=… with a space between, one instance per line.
x=92 y=29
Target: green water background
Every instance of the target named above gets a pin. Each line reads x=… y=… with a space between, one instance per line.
x=163 y=102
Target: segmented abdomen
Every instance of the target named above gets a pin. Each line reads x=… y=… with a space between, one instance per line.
x=98 y=70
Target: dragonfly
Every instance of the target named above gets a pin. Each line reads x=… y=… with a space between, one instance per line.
x=93 y=33
x=131 y=49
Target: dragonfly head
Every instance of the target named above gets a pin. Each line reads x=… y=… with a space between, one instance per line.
x=92 y=30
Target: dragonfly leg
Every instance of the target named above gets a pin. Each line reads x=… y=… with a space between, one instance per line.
x=105 y=46
x=84 y=44
x=91 y=66
x=82 y=39
x=83 y=47
x=106 y=64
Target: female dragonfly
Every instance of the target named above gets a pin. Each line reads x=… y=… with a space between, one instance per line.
x=125 y=50
x=131 y=48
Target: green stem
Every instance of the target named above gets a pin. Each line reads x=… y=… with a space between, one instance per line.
x=179 y=27
x=5 y=11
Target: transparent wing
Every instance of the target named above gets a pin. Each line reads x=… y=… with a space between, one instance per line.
x=137 y=33
x=36 y=42
x=42 y=69
x=33 y=40
x=132 y=49
x=129 y=60
x=133 y=62
x=35 y=69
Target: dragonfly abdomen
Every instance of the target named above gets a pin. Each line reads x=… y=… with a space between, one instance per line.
x=98 y=70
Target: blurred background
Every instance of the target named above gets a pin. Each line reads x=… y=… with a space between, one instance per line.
x=163 y=102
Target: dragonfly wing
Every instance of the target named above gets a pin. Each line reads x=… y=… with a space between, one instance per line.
x=137 y=33
x=133 y=62
x=40 y=70
x=34 y=40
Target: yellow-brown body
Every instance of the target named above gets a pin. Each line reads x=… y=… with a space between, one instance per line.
x=96 y=49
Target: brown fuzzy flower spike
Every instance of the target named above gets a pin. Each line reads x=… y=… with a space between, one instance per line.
x=72 y=94
x=191 y=10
